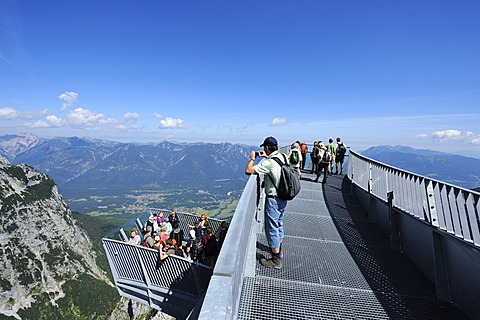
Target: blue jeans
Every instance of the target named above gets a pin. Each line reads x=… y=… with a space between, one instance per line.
x=274 y=209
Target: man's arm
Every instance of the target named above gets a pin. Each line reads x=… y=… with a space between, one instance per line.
x=249 y=169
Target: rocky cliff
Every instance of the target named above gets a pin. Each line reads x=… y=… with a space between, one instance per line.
x=47 y=267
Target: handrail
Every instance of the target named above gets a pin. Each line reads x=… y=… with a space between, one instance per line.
x=449 y=208
x=223 y=295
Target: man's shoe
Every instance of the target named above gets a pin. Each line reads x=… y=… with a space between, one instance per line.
x=271 y=263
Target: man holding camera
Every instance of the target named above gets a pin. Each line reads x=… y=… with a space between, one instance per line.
x=274 y=206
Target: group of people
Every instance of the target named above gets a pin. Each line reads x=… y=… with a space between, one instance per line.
x=274 y=206
x=324 y=158
x=166 y=236
x=327 y=157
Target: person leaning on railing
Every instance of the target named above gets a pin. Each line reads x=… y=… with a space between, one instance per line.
x=134 y=237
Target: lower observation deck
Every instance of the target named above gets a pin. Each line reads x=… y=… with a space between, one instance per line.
x=336 y=265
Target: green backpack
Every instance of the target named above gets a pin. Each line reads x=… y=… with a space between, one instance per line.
x=294 y=158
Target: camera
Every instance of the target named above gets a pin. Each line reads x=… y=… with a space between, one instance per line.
x=257 y=154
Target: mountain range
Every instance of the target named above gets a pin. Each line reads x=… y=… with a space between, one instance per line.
x=83 y=168
x=455 y=169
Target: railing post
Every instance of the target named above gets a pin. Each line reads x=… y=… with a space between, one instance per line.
x=432 y=210
x=395 y=243
x=442 y=287
x=123 y=234
x=372 y=212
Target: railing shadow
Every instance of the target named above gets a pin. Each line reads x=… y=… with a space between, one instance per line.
x=399 y=285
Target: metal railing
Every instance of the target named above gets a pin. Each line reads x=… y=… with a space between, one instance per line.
x=450 y=208
x=223 y=296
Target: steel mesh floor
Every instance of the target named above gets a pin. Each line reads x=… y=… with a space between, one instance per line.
x=337 y=266
x=266 y=298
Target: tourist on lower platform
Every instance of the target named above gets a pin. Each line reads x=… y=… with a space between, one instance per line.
x=134 y=237
x=177 y=234
x=148 y=238
x=210 y=247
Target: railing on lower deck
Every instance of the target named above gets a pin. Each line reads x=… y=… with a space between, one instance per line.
x=174 y=285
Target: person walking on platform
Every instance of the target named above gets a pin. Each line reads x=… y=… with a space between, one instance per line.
x=340 y=158
x=274 y=206
x=304 y=151
x=295 y=158
x=322 y=166
x=333 y=151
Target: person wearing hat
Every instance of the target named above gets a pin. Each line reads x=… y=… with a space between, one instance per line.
x=274 y=206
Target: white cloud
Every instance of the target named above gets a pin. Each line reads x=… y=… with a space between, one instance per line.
x=422 y=136
x=55 y=121
x=278 y=122
x=131 y=116
x=447 y=134
x=156 y=115
x=12 y=114
x=68 y=98
x=171 y=123
x=452 y=135
x=8 y=113
x=84 y=118
x=124 y=127
x=36 y=124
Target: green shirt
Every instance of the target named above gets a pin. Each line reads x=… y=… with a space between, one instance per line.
x=271 y=169
x=331 y=147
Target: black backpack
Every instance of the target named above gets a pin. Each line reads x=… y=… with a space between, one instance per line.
x=341 y=149
x=327 y=156
x=289 y=184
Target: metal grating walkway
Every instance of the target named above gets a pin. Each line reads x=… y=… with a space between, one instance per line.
x=337 y=266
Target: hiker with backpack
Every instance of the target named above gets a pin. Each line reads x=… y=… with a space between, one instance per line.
x=314 y=156
x=340 y=158
x=324 y=157
x=274 y=205
x=333 y=151
x=295 y=158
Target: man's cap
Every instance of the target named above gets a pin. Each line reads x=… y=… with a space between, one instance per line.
x=269 y=141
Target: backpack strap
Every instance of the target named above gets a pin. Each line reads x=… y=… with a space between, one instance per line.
x=277 y=160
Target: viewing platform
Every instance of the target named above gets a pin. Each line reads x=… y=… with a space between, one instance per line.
x=375 y=243
x=336 y=265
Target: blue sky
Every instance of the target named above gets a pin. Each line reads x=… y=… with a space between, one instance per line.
x=372 y=72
